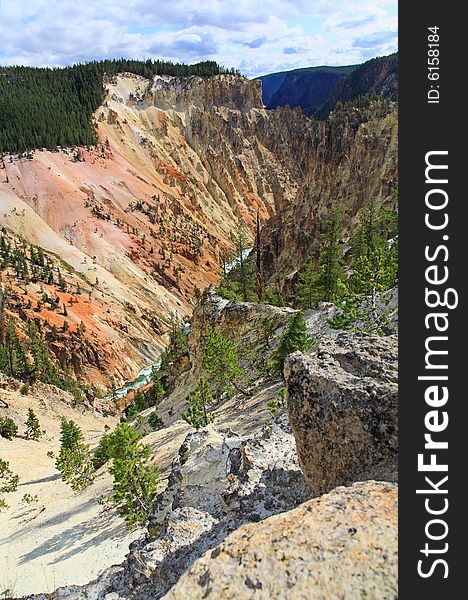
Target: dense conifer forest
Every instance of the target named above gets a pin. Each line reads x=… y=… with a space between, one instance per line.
x=46 y=108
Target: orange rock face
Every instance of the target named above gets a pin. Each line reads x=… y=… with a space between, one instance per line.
x=142 y=220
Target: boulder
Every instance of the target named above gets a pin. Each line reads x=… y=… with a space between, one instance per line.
x=218 y=482
x=342 y=545
x=343 y=408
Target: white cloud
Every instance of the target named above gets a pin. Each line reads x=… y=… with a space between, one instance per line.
x=276 y=35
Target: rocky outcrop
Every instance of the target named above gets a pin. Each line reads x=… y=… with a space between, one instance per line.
x=352 y=157
x=342 y=405
x=229 y=91
x=239 y=321
x=218 y=482
x=342 y=545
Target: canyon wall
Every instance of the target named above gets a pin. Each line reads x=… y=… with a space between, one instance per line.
x=144 y=220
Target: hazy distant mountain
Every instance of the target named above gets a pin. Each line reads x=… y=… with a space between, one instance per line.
x=308 y=88
x=378 y=76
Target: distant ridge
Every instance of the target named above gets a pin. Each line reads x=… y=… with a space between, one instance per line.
x=317 y=90
x=376 y=77
x=307 y=87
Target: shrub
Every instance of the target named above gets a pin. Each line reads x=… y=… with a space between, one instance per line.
x=295 y=337
x=8 y=428
x=220 y=361
x=74 y=460
x=154 y=421
x=28 y=498
x=278 y=404
x=135 y=481
x=33 y=428
x=8 y=481
x=200 y=399
x=102 y=452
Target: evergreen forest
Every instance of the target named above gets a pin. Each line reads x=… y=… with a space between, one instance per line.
x=51 y=107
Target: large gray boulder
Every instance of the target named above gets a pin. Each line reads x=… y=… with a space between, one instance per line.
x=342 y=545
x=343 y=409
x=218 y=482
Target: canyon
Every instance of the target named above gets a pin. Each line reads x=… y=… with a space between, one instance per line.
x=143 y=221
x=109 y=246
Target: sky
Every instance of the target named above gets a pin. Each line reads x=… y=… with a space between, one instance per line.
x=256 y=37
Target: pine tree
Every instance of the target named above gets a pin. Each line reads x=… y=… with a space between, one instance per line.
x=220 y=361
x=8 y=428
x=75 y=460
x=200 y=399
x=240 y=239
x=331 y=258
x=258 y=263
x=33 y=428
x=43 y=368
x=8 y=481
x=13 y=360
x=308 y=288
x=135 y=481
x=295 y=337
x=375 y=270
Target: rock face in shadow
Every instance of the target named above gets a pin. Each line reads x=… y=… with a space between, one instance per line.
x=343 y=407
x=342 y=545
x=308 y=88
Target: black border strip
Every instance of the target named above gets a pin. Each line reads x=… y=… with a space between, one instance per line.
x=426 y=127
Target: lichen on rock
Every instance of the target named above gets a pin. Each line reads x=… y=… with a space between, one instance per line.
x=343 y=408
x=341 y=545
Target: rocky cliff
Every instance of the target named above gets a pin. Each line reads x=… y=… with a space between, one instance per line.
x=352 y=158
x=146 y=217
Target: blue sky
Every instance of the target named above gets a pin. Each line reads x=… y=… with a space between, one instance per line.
x=255 y=37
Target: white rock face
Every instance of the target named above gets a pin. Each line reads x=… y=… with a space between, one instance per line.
x=219 y=481
x=342 y=545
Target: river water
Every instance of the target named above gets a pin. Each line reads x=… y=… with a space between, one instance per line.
x=144 y=376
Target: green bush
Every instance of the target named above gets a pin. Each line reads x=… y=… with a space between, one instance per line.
x=102 y=452
x=8 y=481
x=295 y=337
x=135 y=481
x=221 y=362
x=28 y=498
x=75 y=460
x=8 y=428
x=154 y=421
x=33 y=428
x=278 y=404
x=200 y=399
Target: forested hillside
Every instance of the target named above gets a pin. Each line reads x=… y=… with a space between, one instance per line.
x=376 y=77
x=308 y=88
x=46 y=108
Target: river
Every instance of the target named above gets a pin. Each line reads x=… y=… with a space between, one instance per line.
x=143 y=377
